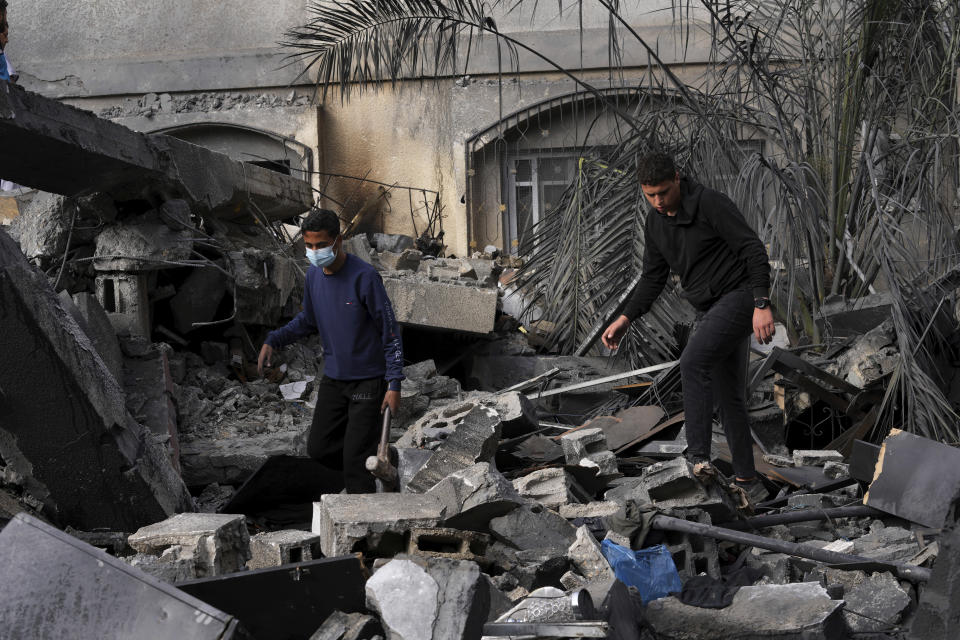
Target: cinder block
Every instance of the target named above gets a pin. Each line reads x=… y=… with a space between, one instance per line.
x=217 y=543
x=582 y=443
x=670 y=479
x=693 y=555
x=371 y=522
x=274 y=548
x=440 y=542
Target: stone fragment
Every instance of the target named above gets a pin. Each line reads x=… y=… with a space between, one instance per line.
x=408 y=260
x=801 y=611
x=348 y=626
x=274 y=548
x=581 y=443
x=518 y=415
x=474 y=440
x=371 y=522
x=393 y=242
x=549 y=487
x=670 y=479
x=878 y=598
x=887 y=544
x=359 y=246
x=836 y=470
x=534 y=527
x=169 y=566
x=217 y=543
x=815 y=457
x=571 y=580
x=775 y=566
x=589 y=510
x=436 y=599
x=475 y=495
x=585 y=555
x=264 y=281
x=442 y=305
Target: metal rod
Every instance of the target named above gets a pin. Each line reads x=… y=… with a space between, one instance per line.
x=800 y=550
x=802 y=515
x=599 y=381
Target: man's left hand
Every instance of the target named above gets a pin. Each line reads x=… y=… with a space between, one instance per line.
x=763 y=328
x=392 y=400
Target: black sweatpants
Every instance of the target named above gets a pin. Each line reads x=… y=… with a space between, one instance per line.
x=713 y=369
x=346 y=428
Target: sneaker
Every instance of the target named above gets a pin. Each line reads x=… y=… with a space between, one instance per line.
x=753 y=488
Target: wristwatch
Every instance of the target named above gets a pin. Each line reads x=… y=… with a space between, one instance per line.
x=761 y=303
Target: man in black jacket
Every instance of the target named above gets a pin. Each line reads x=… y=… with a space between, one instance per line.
x=700 y=234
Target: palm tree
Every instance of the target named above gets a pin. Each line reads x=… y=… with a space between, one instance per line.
x=853 y=190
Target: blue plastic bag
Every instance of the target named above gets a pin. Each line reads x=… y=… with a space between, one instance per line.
x=650 y=570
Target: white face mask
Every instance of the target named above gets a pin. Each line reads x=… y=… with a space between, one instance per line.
x=321 y=257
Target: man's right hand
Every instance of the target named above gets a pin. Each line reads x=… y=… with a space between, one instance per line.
x=266 y=355
x=615 y=332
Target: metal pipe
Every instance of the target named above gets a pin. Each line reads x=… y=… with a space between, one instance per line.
x=800 y=550
x=801 y=515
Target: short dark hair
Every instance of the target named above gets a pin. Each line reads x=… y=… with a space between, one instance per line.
x=655 y=168
x=320 y=220
x=3 y=5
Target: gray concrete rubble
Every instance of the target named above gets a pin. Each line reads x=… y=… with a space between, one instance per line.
x=474 y=440
x=435 y=599
x=473 y=496
x=348 y=626
x=584 y=554
x=421 y=302
x=214 y=543
x=534 y=527
x=549 y=487
x=817 y=458
x=94 y=465
x=65 y=150
x=587 y=448
x=801 y=611
x=274 y=548
x=375 y=523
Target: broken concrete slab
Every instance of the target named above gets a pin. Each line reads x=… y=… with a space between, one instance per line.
x=874 y=603
x=91 y=465
x=69 y=151
x=348 y=626
x=474 y=440
x=147 y=242
x=198 y=298
x=671 y=479
x=408 y=260
x=549 y=487
x=394 y=242
x=217 y=543
x=274 y=548
x=100 y=330
x=231 y=460
x=585 y=555
x=149 y=388
x=534 y=527
x=360 y=247
x=473 y=496
x=264 y=281
x=440 y=305
x=801 y=611
x=518 y=414
x=815 y=457
x=589 y=510
x=409 y=462
x=436 y=599
x=372 y=522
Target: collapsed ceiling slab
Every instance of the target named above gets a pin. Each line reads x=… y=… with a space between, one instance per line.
x=61 y=149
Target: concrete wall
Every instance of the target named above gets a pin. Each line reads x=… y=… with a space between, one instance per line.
x=111 y=52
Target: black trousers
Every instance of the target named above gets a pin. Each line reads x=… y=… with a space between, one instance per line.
x=713 y=369
x=346 y=428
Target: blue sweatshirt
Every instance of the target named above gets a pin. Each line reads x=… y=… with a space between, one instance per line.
x=351 y=312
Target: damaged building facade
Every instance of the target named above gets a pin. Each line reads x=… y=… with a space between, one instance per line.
x=166 y=153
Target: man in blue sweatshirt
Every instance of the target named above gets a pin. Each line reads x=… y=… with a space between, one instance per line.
x=345 y=302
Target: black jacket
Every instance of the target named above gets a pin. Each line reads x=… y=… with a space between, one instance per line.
x=710 y=246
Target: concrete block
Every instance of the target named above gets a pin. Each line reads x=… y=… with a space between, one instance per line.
x=348 y=626
x=474 y=496
x=436 y=599
x=71 y=438
x=274 y=548
x=441 y=305
x=264 y=281
x=444 y=542
x=836 y=470
x=670 y=479
x=372 y=522
x=169 y=566
x=801 y=611
x=549 y=487
x=125 y=299
x=589 y=510
x=408 y=260
x=217 y=543
x=518 y=415
x=581 y=443
x=815 y=457
x=877 y=596
x=474 y=440
x=534 y=527
x=360 y=247
x=585 y=555
x=693 y=555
